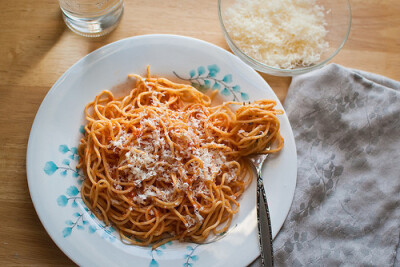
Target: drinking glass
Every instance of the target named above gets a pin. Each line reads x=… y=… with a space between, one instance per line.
x=92 y=18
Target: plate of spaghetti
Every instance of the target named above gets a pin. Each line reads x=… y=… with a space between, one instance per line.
x=139 y=155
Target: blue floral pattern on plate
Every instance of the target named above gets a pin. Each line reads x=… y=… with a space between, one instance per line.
x=204 y=79
x=190 y=257
x=80 y=218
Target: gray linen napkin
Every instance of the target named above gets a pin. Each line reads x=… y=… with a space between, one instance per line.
x=346 y=208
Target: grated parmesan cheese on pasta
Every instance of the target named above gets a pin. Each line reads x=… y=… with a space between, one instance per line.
x=151 y=156
x=280 y=33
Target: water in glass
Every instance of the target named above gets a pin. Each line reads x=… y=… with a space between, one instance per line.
x=92 y=18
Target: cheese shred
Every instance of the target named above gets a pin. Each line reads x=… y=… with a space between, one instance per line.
x=280 y=33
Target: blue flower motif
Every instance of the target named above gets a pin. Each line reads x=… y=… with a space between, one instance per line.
x=153 y=263
x=236 y=88
x=62 y=201
x=67 y=231
x=50 y=167
x=63 y=149
x=216 y=86
x=72 y=191
x=201 y=70
x=225 y=91
x=194 y=257
x=244 y=96
x=202 y=80
x=92 y=229
x=227 y=78
x=74 y=150
x=80 y=223
x=190 y=257
x=213 y=70
x=82 y=129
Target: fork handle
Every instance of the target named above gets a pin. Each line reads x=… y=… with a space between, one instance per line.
x=264 y=226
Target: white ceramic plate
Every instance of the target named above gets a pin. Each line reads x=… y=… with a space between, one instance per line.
x=51 y=157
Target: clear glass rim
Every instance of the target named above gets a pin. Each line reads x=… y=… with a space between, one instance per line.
x=269 y=69
x=93 y=14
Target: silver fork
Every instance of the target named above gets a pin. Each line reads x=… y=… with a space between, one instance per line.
x=263 y=219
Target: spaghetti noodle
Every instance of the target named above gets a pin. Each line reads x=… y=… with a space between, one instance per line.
x=162 y=164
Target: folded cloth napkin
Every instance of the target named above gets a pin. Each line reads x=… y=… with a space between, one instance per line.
x=346 y=208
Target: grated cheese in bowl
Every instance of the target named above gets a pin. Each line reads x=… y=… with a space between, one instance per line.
x=279 y=33
x=285 y=37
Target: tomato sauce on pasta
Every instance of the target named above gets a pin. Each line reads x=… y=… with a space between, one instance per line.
x=163 y=164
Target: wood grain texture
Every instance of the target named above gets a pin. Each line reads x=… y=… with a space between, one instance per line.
x=37 y=48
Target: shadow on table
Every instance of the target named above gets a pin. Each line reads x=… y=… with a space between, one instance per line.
x=34 y=33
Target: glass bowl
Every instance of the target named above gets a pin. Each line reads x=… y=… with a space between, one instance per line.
x=338 y=24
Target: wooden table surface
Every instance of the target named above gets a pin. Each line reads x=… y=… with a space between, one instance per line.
x=36 y=48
